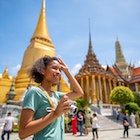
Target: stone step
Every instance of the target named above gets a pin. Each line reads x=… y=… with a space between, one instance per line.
x=109 y=123
x=106 y=120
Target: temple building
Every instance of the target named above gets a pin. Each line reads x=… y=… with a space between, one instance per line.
x=126 y=74
x=96 y=81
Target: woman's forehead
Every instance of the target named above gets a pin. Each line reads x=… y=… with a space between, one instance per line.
x=55 y=62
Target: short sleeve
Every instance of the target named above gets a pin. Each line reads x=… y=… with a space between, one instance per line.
x=32 y=99
x=59 y=94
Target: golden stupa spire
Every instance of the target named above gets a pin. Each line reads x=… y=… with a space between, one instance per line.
x=5 y=73
x=41 y=31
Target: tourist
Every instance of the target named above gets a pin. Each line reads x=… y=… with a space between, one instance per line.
x=80 y=120
x=132 y=118
x=8 y=126
x=43 y=109
x=74 y=124
x=125 y=125
x=118 y=114
x=95 y=126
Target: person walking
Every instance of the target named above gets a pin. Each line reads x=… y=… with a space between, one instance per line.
x=74 y=125
x=8 y=126
x=132 y=118
x=125 y=125
x=80 y=120
x=43 y=109
x=95 y=126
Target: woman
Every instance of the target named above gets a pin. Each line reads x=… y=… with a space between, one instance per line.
x=74 y=125
x=125 y=125
x=43 y=109
x=95 y=126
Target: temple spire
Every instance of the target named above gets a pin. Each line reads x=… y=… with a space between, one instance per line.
x=41 y=31
x=91 y=64
x=90 y=49
x=120 y=60
x=119 y=54
x=6 y=73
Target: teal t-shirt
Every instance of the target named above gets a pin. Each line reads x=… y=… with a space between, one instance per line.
x=36 y=100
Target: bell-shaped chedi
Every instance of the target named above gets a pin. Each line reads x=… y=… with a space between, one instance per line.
x=40 y=45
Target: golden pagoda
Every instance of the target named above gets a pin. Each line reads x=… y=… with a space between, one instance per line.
x=40 y=45
x=5 y=84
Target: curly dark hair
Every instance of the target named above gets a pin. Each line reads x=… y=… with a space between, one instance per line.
x=35 y=72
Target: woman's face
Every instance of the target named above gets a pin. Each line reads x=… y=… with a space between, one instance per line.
x=52 y=73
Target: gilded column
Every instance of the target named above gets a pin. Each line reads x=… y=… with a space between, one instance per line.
x=94 y=99
x=82 y=84
x=100 y=89
x=114 y=83
x=105 y=94
x=136 y=86
x=87 y=88
x=110 y=88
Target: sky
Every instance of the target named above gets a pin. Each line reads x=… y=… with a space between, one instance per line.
x=68 y=26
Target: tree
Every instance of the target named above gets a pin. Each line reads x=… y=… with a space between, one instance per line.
x=81 y=104
x=137 y=98
x=121 y=95
x=132 y=107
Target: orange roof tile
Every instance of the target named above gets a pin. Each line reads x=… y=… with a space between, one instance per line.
x=114 y=71
x=136 y=71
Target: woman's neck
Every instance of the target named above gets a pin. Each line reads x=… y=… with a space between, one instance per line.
x=46 y=88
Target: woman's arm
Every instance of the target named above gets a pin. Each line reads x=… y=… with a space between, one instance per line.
x=29 y=127
x=76 y=88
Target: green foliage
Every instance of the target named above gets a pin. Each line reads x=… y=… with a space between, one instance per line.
x=132 y=107
x=121 y=95
x=81 y=104
x=137 y=98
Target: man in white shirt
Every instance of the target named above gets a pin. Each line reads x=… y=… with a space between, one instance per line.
x=8 y=126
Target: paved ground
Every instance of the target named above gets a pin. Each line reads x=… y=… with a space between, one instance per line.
x=134 y=134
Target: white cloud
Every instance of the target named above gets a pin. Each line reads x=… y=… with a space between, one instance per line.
x=139 y=63
x=76 y=69
x=14 y=70
x=104 y=66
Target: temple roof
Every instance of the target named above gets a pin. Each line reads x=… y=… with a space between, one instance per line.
x=91 y=64
x=136 y=71
x=136 y=75
x=115 y=72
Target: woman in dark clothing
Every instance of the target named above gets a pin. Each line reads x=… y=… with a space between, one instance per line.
x=126 y=125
